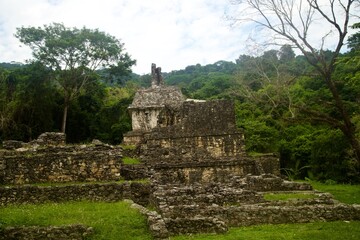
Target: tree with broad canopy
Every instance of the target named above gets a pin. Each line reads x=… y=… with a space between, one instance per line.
x=74 y=55
x=293 y=22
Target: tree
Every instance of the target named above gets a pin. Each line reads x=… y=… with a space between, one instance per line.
x=292 y=21
x=266 y=81
x=354 y=40
x=286 y=53
x=5 y=113
x=35 y=101
x=27 y=102
x=74 y=55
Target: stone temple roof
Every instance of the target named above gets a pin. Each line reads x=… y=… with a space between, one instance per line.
x=157 y=96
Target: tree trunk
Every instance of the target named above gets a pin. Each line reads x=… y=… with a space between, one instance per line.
x=356 y=147
x=348 y=127
x=63 y=124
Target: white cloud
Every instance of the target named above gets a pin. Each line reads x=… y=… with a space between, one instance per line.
x=171 y=33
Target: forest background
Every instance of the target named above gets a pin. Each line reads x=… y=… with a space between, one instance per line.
x=276 y=93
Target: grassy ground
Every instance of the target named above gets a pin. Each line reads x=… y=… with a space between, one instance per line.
x=109 y=220
x=119 y=221
x=344 y=193
x=308 y=231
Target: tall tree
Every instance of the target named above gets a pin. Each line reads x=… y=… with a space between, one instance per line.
x=74 y=55
x=293 y=21
x=354 y=39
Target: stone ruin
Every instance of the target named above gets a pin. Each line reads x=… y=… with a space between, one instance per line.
x=147 y=105
x=201 y=179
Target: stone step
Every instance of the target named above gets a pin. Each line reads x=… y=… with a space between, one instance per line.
x=196 y=216
x=209 y=198
x=196 y=224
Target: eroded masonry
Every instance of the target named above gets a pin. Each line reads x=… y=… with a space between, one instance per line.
x=200 y=177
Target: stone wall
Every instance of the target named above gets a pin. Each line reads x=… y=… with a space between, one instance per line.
x=60 y=164
x=215 y=117
x=164 y=147
x=71 y=232
x=194 y=132
x=148 y=103
x=260 y=214
x=204 y=172
x=202 y=195
x=134 y=172
x=109 y=192
x=263 y=213
x=45 y=139
x=270 y=163
x=144 y=119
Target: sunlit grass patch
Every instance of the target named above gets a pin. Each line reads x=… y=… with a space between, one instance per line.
x=345 y=193
x=109 y=220
x=130 y=161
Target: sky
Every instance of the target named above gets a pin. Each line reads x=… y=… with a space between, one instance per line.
x=172 y=34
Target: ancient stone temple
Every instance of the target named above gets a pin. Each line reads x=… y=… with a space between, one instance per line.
x=192 y=140
x=147 y=105
x=202 y=179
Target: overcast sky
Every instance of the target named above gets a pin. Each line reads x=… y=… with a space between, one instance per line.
x=171 y=33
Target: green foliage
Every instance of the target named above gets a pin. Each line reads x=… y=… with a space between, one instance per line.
x=109 y=220
x=74 y=55
x=30 y=104
x=354 y=39
x=260 y=131
x=203 y=82
x=320 y=153
x=28 y=100
x=330 y=158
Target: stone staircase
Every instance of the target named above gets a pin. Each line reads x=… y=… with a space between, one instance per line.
x=213 y=207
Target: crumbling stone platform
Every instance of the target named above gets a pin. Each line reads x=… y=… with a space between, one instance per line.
x=214 y=207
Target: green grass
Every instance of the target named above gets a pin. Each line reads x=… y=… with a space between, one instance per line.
x=118 y=221
x=130 y=161
x=349 y=194
x=109 y=220
x=288 y=196
x=303 y=231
